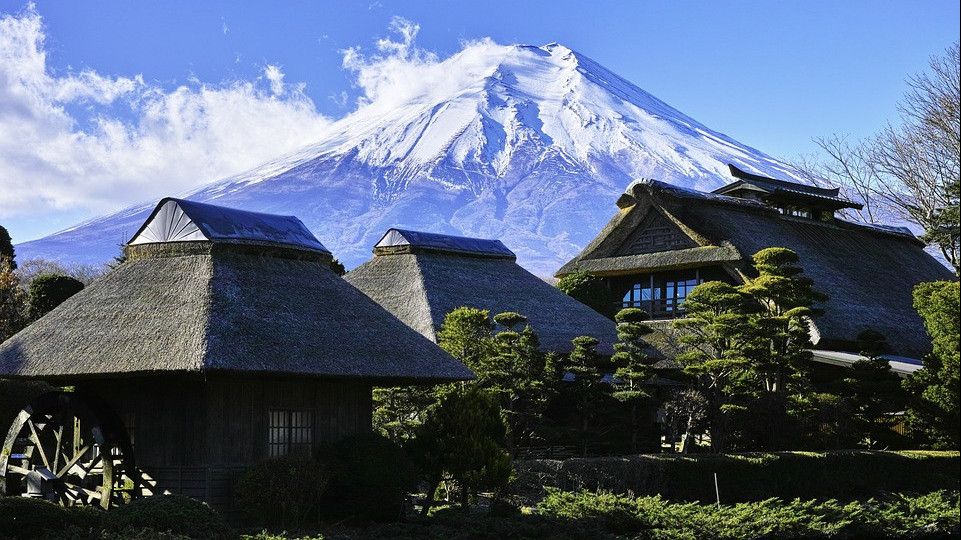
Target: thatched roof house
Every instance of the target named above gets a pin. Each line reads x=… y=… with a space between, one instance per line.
x=664 y=240
x=224 y=339
x=210 y=289
x=420 y=277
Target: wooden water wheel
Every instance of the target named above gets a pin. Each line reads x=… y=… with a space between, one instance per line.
x=69 y=449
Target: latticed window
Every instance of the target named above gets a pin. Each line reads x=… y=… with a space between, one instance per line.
x=288 y=432
x=660 y=295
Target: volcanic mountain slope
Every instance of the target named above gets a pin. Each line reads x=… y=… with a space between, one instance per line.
x=527 y=144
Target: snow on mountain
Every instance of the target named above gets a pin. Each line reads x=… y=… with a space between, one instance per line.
x=528 y=144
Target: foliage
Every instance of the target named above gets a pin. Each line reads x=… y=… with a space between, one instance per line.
x=337 y=267
x=634 y=367
x=716 y=329
x=21 y=517
x=934 y=407
x=873 y=390
x=898 y=516
x=168 y=513
x=282 y=492
x=589 y=290
x=48 y=291
x=30 y=269
x=685 y=414
x=13 y=301
x=462 y=439
x=843 y=474
x=517 y=374
x=466 y=335
x=371 y=477
x=586 y=390
x=910 y=170
x=398 y=410
x=6 y=248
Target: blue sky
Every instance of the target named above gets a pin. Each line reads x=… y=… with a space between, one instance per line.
x=770 y=74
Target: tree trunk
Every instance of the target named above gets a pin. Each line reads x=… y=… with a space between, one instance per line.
x=432 y=486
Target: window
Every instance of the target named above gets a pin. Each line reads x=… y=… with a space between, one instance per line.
x=661 y=295
x=288 y=432
x=796 y=211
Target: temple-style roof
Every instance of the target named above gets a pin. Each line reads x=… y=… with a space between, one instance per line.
x=421 y=286
x=262 y=301
x=180 y=220
x=772 y=188
x=868 y=272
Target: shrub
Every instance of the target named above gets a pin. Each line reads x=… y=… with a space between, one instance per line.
x=590 y=290
x=928 y=516
x=371 y=477
x=48 y=291
x=21 y=517
x=283 y=492
x=845 y=475
x=174 y=514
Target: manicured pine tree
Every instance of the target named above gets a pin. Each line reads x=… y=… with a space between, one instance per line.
x=466 y=335
x=634 y=367
x=934 y=404
x=399 y=410
x=716 y=330
x=462 y=440
x=873 y=390
x=784 y=296
x=587 y=389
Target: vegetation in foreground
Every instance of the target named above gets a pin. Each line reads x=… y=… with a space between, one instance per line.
x=559 y=515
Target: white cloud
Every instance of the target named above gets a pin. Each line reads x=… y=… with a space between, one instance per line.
x=401 y=72
x=135 y=140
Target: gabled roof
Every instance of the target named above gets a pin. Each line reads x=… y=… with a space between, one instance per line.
x=868 y=272
x=421 y=286
x=180 y=220
x=406 y=240
x=223 y=307
x=786 y=190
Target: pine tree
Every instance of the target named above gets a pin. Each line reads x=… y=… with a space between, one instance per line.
x=398 y=411
x=716 y=330
x=785 y=298
x=587 y=389
x=462 y=439
x=6 y=248
x=873 y=390
x=466 y=335
x=634 y=366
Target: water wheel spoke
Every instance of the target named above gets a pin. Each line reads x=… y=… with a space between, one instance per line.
x=80 y=490
x=58 y=435
x=35 y=437
x=73 y=461
x=16 y=469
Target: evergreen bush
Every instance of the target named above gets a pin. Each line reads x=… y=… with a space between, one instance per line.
x=282 y=492
x=174 y=514
x=371 y=477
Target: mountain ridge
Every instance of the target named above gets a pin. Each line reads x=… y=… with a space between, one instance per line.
x=527 y=144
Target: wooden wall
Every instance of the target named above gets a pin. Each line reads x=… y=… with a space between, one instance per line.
x=194 y=435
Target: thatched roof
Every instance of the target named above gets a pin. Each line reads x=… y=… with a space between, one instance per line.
x=204 y=306
x=868 y=272
x=421 y=281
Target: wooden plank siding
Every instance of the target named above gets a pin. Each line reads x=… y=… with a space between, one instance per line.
x=195 y=436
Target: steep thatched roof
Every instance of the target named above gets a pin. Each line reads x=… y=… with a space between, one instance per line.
x=868 y=272
x=202 y=306
x=421 y=281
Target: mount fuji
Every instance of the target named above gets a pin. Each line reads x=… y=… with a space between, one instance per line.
x=531 y=145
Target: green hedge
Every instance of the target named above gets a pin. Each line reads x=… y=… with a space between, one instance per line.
x=842 y=475
x=934 y=515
